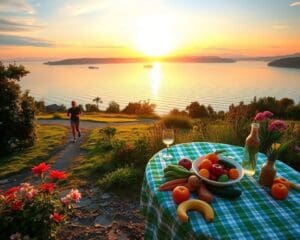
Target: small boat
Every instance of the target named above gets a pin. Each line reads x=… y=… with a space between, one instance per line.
x=148 y=66
x=93 y=67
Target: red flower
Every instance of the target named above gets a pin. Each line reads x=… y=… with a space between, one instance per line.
x=56 y=217
x=47 y=187
x=40 y=169
x=56 y=174
x=17 y=205
x=277 y=125
x=12 y=191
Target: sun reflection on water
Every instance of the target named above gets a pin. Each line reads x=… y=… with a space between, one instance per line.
x=155 y=77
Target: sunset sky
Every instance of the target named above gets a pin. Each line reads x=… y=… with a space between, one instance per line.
x=122 y=28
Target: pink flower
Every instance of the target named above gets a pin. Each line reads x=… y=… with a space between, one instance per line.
x=267 y=114
x=56 y=174
x=66 y=201
x=277 y=125
x=259 y=117
x=56 y=217
x=40 y=169
x=297 y=149
x=75 y=195
x=47 y=187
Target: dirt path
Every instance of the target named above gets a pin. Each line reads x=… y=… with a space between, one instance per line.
x=99 y=215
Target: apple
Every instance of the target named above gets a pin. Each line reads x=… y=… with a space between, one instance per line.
x=186 y=163
x=217 y=169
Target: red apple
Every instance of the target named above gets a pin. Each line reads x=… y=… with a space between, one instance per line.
x=217 y=169
x=186 y=163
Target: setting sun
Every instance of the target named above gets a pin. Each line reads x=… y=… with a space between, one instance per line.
x=155 y=36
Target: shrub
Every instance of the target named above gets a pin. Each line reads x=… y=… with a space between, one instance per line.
x=17 y=111
x=120 y=178
x=108 y=133
x=122 y=153
x=35 y=212
x=113 y=107
x=196 y=110
x=181 y=122
x=141 y=107
x=91 y=108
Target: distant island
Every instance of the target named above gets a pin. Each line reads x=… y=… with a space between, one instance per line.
x=201 y=59
x=291 y=62
x=267 y=58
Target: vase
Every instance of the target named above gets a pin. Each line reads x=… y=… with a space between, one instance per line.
x=267 y=173
x=251 y=150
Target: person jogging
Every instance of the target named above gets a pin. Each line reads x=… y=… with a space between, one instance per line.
x=74 y=114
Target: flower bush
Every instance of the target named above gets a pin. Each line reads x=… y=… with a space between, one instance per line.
x=36 y=211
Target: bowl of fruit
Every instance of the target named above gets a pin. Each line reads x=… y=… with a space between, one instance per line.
x=218 y=171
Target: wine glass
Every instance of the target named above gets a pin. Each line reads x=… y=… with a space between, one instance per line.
x=168 y=139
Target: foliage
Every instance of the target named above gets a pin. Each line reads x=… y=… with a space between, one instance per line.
x=40 y=106
x=141 y=107
x=17 y=111
x=113 y=107
x=239 y=120
x=91 y=108
x=108 y=133
x=181 y=122
x=36 y=211
x=48 y=138
x=196 y=110
x=97 y=100
x=122 y=177
x=177 y=112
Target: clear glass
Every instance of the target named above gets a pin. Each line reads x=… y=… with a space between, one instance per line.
x=251 y=150
x=168 y=139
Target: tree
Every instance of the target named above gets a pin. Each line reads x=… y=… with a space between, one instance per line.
x=91 y=107
x=196 y=110
x=141 y=107
x=97 y=100
x=17 y=111
x=113 y=107
x=40 y=106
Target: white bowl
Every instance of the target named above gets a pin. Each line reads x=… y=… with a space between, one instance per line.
x=195 y=168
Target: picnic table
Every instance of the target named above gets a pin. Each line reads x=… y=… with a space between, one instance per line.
x=254 y=215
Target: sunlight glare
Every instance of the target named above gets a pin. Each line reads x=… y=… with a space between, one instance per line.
x=155 y=35
x=155 y=78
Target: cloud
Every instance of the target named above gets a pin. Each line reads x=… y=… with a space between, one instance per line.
x=7 y=25
x=294 y=4
x=16 y=6
x=12 y=40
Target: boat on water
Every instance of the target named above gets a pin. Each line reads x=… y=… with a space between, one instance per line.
x=93 y=67
x=148 y=66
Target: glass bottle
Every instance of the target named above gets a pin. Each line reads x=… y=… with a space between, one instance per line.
x=267 y=173
x=250 y=151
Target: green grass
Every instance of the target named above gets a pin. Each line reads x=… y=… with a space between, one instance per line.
x=49 y=138
x=99 y=117
x=97 y=163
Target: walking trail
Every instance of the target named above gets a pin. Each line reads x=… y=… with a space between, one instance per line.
x=103 y=216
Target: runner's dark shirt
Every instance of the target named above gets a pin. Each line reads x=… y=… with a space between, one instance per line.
x=74 y=112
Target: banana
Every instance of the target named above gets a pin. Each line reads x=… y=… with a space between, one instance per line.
x=194 y=204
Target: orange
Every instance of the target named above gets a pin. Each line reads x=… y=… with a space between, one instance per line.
x=233 y=173
x=283 y=181
x=204 y=173
x=213 y=157
x=205 y=164
x=279 y=191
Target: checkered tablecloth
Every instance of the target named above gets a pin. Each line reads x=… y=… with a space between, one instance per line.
x=254 y=215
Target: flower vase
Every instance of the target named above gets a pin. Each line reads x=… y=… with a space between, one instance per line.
x=267 y=173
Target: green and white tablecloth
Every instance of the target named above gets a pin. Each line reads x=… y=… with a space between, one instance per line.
x=254 y=215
